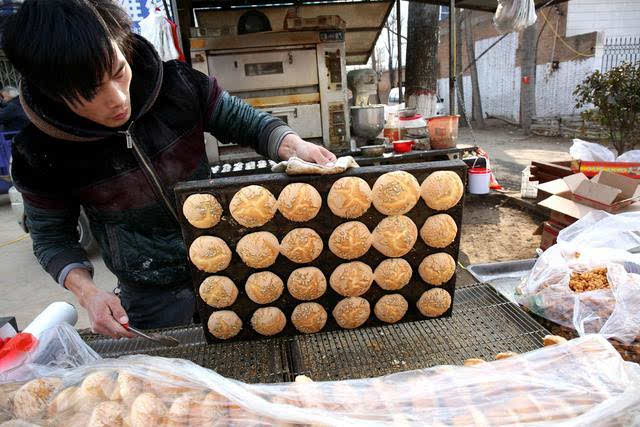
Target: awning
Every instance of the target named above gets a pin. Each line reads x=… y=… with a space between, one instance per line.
x=364 y=20
x=484 y=5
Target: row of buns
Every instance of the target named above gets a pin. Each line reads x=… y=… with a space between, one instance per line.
x=311 y=317
x=393 y=237
x=394 y=193
x=352 y=279
x=483 y=395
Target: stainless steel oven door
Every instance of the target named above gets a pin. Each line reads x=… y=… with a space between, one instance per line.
x=306 y=120
x=265 y=70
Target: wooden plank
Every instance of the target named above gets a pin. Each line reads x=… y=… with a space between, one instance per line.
x=324 y=224
x=552 y=169
x=275 y=101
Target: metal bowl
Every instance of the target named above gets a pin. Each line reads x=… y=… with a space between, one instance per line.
x=407 y=112
x=372 y=150
x=367 y=122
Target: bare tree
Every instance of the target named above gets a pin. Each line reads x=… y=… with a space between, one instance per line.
x=477 y=114
x=389 y=46
x=459 y=39
x=421 y=77
x=527 y=50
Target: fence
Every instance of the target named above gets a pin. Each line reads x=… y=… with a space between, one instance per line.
x=618 y=50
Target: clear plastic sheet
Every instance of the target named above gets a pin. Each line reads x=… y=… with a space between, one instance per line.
x=593 y=152
x=514 y=15
x=599 y=240
x=58 y=347
x=582 y=382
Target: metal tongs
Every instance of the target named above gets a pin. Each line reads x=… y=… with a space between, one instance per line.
x=159 y=338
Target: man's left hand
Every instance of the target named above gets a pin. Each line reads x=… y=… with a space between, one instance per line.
x=294 y=146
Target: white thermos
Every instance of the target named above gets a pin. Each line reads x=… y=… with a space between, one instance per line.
x=56 y=313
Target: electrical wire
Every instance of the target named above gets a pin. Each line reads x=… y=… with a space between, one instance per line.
x=11 y=242
x=562 y=39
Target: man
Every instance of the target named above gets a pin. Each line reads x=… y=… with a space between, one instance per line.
x=12 y=117
x=113 y=130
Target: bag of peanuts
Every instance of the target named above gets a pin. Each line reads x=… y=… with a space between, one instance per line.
x=588 y=280
x=576 y=383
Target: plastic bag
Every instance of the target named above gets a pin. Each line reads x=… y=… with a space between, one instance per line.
x=592 y=152
x=582 y=382
x=599 y=240
x=59 y=347
x=632 y=156
x=514 y=15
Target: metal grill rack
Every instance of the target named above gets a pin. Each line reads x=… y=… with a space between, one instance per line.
x=242 y=167
x=484 y=323
x=256 y=164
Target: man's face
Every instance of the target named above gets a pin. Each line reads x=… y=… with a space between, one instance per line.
x=111 y=107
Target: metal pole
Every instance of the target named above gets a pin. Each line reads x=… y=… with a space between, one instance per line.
x=399 y=37
x=453 y=110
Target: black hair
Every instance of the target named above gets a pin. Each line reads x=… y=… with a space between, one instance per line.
x=65 y=47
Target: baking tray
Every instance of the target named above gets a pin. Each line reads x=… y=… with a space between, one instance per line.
x=498 y=270
x=483 y=324
x=504 y=276
x=324 y=224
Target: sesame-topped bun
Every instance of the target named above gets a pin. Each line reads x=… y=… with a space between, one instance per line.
x=350 y=240
x=301 y=245
x=394 y=236
x=210 y=254
x=299 y=202
x=258 y=250
x=202 y=210
x=442 y=190
x=349 y=197
x=439 y=231
x=395 y=193
x=253 y=206
x=309 y=317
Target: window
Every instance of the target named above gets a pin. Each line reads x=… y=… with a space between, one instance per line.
x=444 y=13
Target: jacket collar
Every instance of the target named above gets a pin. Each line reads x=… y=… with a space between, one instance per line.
x=57 y=120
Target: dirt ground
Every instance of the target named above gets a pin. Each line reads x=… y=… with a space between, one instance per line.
x=494 y=229
x=510 y=150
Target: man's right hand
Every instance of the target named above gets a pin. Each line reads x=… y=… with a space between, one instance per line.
x=105 y=311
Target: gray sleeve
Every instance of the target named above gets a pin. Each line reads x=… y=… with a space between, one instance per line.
x=62 y=276
x=275 y=140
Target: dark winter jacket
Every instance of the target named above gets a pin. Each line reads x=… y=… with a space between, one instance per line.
x=62 y=162
x=12 y=116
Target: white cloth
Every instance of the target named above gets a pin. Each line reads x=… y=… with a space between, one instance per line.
x=157 y=30
x=296 y=166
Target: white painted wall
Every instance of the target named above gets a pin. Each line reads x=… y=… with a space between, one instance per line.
x=617 y=18
x=499 y=78
x=554 y=90
x=443 y=92
x=500 y=81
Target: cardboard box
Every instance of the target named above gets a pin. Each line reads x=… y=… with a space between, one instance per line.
x=549 y=235
x=576 y=195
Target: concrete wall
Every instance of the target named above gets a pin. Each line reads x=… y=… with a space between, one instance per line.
x=616 y=18
x=554 y=89
x=499 y=71
x=498 y=78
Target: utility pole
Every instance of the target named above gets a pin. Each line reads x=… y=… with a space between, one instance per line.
x=453 y=110
x=399 y=37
